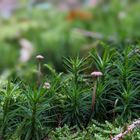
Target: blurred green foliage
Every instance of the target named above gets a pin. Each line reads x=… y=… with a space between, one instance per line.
x=53 y=35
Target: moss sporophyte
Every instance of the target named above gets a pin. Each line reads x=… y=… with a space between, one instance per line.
x=39 y=73
x=95 y=75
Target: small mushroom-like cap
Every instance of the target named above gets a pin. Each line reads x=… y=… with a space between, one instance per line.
x=39 y=57
x=47 y=85
x=96 y=74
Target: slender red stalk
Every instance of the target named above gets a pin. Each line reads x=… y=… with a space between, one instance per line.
x=39 y=58
x=93 y=101
x=95 y=75
x=94 y=96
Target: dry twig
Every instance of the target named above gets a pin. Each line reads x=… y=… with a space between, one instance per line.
x=128 y=130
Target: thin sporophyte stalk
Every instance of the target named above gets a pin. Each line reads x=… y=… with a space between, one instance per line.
x=95 y=75
x=39 y=71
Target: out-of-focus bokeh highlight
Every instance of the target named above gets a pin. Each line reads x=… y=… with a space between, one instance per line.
x=57 y=28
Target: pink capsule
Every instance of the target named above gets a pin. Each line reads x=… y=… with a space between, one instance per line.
x=96 y=73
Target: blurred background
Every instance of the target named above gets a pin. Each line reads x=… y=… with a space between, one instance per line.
x=58 y=28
